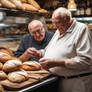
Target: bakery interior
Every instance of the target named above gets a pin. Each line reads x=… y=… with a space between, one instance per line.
x=14 y=20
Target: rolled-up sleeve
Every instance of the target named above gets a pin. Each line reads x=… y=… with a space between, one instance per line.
x=83 y=58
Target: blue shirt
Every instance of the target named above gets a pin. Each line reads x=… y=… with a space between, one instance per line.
x=28 y=41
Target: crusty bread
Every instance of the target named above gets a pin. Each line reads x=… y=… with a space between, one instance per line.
x=0 y=4
x=8 y=4
x=3 y=75
x=18 y=76
x=43 y=11
x=6 y=50
x=2 y=89
x=29 y=7
x=34 y=3
x=24 y=1
x=1 y=66
x=31 y=65
x=18 y=4
x=12 y=65
x=4 y=57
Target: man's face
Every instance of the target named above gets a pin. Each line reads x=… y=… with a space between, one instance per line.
x=59 y=23
x=38 y=33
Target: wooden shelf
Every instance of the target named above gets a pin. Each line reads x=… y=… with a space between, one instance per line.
x=21 y=13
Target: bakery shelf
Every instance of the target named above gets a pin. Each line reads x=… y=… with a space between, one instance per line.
x=17 y=12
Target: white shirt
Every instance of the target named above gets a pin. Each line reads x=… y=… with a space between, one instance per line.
x=76 y=44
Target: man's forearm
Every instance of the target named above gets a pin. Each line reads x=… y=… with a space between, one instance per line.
x=24 y=57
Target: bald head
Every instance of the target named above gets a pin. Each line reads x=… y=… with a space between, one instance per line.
x=62 y=12
x=35 y=24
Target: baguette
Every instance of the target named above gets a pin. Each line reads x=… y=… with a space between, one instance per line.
x=11 y=65
x=43 y=11
x=1 y=66
x=29 y=7
x=34 y=3
x=18 y=76
x=18 y=4
x=24 y=1
x=8 y=4
x=31 y=65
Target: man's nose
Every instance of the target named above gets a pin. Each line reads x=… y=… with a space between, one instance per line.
x=37 y=34
x=57 y=25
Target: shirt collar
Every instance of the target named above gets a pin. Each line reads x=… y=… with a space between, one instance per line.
x=70 y=29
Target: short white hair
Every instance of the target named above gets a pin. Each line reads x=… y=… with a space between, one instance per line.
x=64 y=13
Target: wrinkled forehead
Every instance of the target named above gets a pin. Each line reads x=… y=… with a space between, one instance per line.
x=34 y=26
x=56 y=18
x=56 y=15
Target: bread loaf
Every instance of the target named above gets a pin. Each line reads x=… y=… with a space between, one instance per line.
x=8 y=4
x=11 y=65
x=3 y=75
x=34 y=3
x=43 y=11
x=1 y=66
x=18 y=76
x=4 y=57
x=29 y=7
x=24 y=1
x=31 y=65
x=18 y=4
x=6 y=50
x=2 y=89
x=0 y=4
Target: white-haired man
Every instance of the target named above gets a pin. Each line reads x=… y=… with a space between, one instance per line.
x=37 y=38
x=69 y=53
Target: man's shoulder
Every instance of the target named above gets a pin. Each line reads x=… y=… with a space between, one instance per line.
x=50 y=33
x=27 y=35
x=81 y=25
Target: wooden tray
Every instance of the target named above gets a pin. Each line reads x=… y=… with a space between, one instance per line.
x=17 y=86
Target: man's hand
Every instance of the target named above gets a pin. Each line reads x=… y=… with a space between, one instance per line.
x=49 y=63
x=31 y=52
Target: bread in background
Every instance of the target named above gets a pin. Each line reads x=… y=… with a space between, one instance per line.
x=29 y=7
x=8 y=4
x=34 y=3
x=18 y=4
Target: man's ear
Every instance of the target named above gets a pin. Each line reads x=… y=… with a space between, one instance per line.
x=68 y=18
x=43 y=26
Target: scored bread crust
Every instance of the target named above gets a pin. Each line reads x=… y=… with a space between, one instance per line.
x=34 y=3
x=8 y=4
x=31 y=65
x=3 y=75
x=18 y=76
x=12 y=65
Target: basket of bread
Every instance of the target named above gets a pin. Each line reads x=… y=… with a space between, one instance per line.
x=17 y=74
x=25 y=5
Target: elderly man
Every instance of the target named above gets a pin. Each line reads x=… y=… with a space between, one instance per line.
x=37 y=38
x=69 y=53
